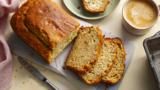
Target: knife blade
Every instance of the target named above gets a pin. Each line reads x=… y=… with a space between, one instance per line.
x=35 y=72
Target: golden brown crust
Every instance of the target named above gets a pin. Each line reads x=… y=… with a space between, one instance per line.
x=46 y=19
x=42 y=24
x=21 y=30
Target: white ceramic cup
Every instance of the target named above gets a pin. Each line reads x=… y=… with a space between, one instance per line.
x=138 y=30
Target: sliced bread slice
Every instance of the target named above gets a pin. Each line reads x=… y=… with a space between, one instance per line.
x=103 y=64
x=95 y=6
x=85 y=50
x=118 y=68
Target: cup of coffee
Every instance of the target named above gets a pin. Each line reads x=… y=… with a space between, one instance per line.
x=139 y=16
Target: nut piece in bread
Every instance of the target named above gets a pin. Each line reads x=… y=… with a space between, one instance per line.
x=45 y=27
x=118 y=68
x=85 y=50
x=103 y=64
x=95 y=6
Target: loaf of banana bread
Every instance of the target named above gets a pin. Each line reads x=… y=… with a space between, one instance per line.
x=45 y=27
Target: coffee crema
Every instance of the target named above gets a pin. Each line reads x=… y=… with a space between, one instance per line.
x=140 y=13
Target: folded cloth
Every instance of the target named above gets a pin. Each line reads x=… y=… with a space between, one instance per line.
x=5 y=65
x=6 y=6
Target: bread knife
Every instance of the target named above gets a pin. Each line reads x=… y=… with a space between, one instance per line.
x=35 y=72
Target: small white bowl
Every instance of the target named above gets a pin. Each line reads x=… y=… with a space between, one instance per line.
x=138 y=30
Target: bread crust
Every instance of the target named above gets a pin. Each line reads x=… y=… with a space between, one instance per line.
x=43 y=25
x=22 y=31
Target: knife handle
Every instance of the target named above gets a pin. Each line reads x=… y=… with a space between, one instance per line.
x=51 y=85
